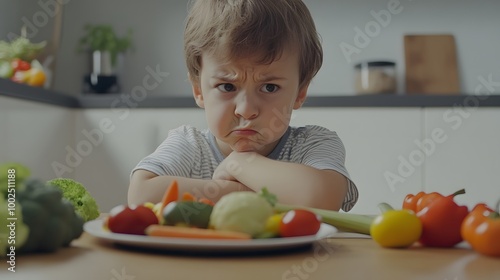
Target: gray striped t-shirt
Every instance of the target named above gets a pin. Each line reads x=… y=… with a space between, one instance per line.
x=193 y=153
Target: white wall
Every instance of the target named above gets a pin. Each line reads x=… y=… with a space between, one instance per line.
x=35 y=135
x=158 y=26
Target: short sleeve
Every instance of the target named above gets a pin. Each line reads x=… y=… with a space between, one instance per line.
x=323 y=149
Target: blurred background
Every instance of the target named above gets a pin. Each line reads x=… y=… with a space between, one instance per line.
x=352 y=32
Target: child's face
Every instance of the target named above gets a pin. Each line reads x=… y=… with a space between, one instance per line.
x=248 y=106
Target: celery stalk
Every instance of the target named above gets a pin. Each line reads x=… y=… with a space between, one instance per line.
x=342 y=221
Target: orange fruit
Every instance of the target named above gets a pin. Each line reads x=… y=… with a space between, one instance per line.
x=36 y=77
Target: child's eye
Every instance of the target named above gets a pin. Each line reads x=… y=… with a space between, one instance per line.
x=226 y=87
x=270 y=88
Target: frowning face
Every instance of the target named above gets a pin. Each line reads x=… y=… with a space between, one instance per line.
x=248 y=106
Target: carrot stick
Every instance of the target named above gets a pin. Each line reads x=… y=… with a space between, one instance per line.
x=188 y=197
x=171 y=194
x=206 y=201
x=200 y=233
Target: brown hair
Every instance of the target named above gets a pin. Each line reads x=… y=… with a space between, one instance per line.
x=235 y=28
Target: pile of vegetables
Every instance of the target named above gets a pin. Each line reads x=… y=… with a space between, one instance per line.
x=18 y=61
x=435 y=220
x=426 y=219
x=238 y=215
x=42 y=215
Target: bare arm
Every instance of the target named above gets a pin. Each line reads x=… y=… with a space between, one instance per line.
x=293 y=183
x=146 y=186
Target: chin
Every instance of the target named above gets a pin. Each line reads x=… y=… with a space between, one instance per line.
x=246 y=147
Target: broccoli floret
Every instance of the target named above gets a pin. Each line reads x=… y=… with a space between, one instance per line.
x=85 y=205
x=51 y=219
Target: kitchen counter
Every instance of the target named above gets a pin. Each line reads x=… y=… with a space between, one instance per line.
x=343 y=257
x=106 y=101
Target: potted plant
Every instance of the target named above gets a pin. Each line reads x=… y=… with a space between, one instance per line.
x=105 y=47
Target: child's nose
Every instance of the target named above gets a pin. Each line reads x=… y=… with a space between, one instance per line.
x=246 y=106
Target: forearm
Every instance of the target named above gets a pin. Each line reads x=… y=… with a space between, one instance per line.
x=293 y=183
x=151 y=188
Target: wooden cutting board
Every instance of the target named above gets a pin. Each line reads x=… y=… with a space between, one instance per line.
x=431 y=64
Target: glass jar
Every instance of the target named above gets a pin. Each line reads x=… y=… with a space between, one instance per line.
x=375 y=77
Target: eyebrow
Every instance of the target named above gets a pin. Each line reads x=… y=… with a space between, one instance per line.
x=224 y=76
x=227 y=77
x=271 y=78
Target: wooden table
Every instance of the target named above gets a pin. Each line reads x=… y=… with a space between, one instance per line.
x=335 y=258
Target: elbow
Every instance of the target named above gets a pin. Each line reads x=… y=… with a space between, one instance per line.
x=326 y=202
x=329 y=196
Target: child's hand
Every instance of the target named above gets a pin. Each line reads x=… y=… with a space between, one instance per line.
x=226 y=169
x=231 y=166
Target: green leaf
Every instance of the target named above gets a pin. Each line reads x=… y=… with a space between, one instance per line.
x=270 y=197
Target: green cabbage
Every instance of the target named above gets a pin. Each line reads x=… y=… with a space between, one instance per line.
x=242 y=212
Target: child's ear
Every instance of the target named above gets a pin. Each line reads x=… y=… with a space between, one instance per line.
x=198 y=97
x=301 y=97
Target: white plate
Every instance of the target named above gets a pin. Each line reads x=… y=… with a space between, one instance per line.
x=96 y=229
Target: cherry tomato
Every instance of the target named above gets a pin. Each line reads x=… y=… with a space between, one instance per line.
x=299 y=222
x=130 y=220
x=20 y=65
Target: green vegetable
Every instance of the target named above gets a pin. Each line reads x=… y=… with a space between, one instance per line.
x=270 y=197
x=21 y=47
x=85 y=205
x=51 y=220
x=245 y=212
x=190 y=213
x=342 y=221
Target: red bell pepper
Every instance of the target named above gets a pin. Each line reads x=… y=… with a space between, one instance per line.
x=426 y=200
x=441 y=222
x=481 y=229
x=410 y=201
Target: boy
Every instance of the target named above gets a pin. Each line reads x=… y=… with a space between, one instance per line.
x=250 y=63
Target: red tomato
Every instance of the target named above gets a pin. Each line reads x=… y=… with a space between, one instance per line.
x=20 y=65
x=130 y=220
x=299 y=223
